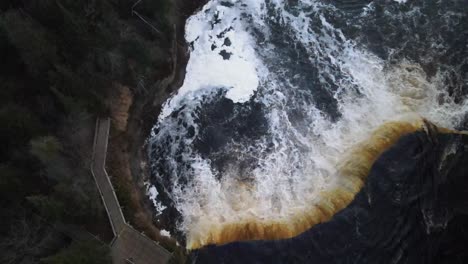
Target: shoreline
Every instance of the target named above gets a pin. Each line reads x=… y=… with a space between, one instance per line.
x=135 y=112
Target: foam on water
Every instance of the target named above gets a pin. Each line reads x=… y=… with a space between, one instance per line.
x=152 y=193
x=297 y=162
x=222 y=56
x=165 y=233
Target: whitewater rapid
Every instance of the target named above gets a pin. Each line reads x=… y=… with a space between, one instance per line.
x=276 y=98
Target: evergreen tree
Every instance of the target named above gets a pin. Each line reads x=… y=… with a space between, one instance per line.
x=89 y=252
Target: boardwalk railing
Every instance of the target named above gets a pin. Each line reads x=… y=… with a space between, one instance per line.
x=128 y=243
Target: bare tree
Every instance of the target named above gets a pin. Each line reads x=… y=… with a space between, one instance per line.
x=143 y=19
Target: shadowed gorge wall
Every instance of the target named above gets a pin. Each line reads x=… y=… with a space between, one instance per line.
x=412 y=209
x=352 y=175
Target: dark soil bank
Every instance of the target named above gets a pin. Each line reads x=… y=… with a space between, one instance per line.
x=128 y=160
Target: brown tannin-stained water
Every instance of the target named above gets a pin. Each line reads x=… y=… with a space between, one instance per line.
x=285 y=108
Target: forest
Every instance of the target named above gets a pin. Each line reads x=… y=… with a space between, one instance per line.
x=60 y=61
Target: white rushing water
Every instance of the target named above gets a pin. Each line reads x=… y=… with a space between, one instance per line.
x=207 y=68
x=298 y=155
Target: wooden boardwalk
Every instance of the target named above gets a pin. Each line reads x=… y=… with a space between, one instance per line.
x=128 y=245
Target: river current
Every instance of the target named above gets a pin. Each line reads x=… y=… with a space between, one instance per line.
x=280 y=95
